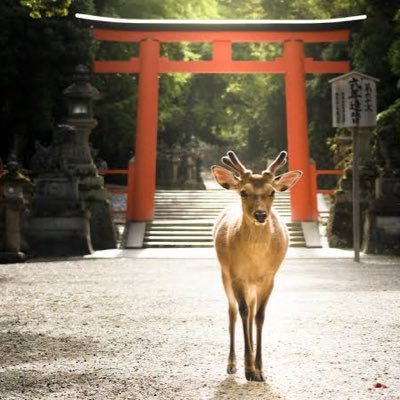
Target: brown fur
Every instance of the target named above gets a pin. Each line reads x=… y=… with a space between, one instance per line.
x=250 y=252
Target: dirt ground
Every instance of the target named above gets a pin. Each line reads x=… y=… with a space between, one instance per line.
x=157 y=329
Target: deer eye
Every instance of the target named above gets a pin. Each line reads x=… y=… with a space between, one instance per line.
x=243 y=194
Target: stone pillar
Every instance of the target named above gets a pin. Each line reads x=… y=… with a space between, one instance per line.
x=59 y=225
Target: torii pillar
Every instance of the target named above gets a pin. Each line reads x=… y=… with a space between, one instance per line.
x=144 y=179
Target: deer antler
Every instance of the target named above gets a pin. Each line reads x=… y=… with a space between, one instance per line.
x=232 y=161
x=277 y=163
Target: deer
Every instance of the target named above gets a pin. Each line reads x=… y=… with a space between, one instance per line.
x=251 y=242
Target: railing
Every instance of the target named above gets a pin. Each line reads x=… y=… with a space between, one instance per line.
x=314 y=173
x=128 y=189
x=327 y=172
x=119 y=212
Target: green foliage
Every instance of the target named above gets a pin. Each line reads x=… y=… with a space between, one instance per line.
x=38 y=58
x=243 y=112
x=394 y=51
x=46 y=8
x=391 y=117
x=374 y=46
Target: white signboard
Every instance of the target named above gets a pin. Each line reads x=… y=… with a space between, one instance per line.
x=353 y=100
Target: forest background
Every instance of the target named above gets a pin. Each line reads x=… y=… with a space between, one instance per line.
x=41 y=42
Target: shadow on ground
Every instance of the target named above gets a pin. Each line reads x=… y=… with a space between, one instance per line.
x=25 y=347
x=33 y=384
x=231 y=388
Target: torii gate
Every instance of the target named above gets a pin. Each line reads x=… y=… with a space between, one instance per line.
x=221 y=33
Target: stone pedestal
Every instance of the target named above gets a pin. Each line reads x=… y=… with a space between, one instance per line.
x=59 y=223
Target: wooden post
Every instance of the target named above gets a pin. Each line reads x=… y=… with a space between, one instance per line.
x=144 y=183
x=297 y=130
x=356 y=195
x=314 y=188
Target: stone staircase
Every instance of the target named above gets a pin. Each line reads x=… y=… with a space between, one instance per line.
x=184 y=218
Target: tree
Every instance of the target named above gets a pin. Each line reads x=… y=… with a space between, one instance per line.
x=46 y=8
x=38 y=59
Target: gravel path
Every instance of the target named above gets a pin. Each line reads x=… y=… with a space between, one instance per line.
x=157 y=329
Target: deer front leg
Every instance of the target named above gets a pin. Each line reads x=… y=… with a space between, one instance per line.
x=251 y=320
x=259 y=324
x=232 y=322
x=249 y=368
x=260 y=316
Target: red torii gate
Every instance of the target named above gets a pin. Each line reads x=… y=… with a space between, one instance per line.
x=294 y=65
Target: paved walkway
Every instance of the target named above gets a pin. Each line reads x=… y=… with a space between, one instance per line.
x=146 y=328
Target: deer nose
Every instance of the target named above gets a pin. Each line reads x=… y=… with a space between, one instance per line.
x=260 y=216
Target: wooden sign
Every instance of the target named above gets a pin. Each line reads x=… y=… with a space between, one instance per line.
x=353 y=100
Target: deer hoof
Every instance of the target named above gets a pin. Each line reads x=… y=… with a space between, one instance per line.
x=250 y=375
x=256 y=376
x=231 y=368
x=259 y=376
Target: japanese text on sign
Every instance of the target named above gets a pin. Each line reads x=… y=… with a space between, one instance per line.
x=354 y=101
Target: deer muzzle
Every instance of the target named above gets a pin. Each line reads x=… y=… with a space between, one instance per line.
x=260 y=216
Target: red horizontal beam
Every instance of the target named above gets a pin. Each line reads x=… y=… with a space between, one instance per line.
x=326 y=67
x=221 y=66
x=112 y=35
x=124 y=67
x=225 y=66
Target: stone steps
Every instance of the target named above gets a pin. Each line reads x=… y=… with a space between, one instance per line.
x=185 y=218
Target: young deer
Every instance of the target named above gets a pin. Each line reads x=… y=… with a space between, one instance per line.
x=251 y=243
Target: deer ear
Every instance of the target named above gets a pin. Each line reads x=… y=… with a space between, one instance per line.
x=224 y=177
x=287 y=180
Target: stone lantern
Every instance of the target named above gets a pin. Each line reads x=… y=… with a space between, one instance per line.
x=78 y=159
x=12 y=212
x=71 y=208
x=79 y=98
